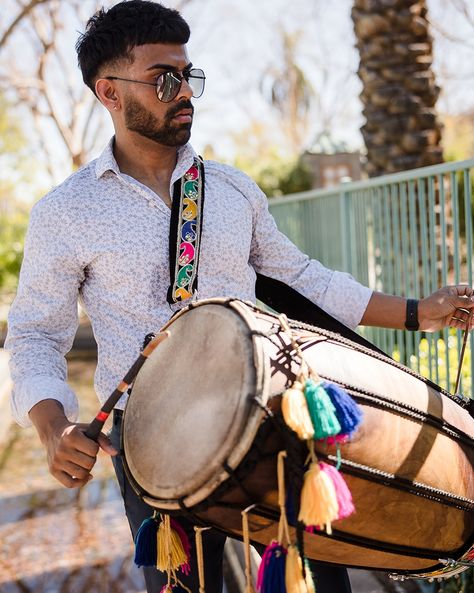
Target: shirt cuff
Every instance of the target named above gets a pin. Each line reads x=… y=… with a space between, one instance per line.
x=346 y=299
x=29 y=392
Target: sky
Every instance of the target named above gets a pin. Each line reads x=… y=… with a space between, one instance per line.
x=238 y=42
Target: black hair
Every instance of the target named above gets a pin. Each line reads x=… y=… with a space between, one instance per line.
x=111 y=35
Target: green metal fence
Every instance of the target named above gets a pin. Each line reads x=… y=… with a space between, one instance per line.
x=405 y=234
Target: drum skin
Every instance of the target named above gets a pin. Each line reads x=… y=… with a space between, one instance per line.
x=192 y=421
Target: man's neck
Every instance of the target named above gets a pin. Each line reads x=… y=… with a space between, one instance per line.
x=149 y=162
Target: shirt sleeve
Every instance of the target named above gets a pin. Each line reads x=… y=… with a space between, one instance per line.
x=43 y=319
x=274 y=255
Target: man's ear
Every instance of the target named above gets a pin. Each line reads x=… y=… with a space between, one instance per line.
x=107 y=94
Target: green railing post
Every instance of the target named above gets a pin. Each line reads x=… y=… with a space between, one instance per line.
x=404 y=233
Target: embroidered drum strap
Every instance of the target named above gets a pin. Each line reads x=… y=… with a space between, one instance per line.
x=185 y=233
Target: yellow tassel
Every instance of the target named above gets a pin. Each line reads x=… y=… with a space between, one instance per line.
x=295 y=411
x=319 y=505
x=294 y=580
x=171 y=554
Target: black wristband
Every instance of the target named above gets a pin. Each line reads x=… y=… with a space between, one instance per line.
x=411 y=321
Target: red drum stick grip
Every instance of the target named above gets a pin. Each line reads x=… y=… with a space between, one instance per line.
x=94 y=428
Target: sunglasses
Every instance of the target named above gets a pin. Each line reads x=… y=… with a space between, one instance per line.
x=169 y=83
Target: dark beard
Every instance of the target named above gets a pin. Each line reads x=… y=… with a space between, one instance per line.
x=140 y=120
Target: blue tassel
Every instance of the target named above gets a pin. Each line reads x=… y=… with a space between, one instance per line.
x=146 y=550
x=271 y=574
x=347 y=411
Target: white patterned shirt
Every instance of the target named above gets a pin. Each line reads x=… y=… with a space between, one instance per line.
x=102 y=237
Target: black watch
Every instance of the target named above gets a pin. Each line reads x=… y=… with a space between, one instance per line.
x=411 y=321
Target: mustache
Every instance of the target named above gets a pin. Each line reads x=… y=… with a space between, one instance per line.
x=179 y=107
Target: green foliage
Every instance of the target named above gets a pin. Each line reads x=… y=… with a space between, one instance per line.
x=12 y=232
x=453 y=359
x=277 y=177
x=435 y=350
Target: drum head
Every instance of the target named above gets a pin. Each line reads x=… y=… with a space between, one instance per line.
x=190 y=410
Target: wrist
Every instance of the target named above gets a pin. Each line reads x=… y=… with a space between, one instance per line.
x=412 y=315
x=48 y=418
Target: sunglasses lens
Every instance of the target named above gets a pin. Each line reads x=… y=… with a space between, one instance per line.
x=196 y=81
x=168 y=84
x=167 y=87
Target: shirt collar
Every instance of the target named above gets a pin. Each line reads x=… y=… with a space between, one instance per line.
x=106 y=161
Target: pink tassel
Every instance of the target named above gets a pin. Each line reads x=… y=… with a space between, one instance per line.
x=185 y=567
x=343 y=494
x=339 y=438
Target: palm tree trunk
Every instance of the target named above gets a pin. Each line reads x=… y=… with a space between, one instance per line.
x=399 y=89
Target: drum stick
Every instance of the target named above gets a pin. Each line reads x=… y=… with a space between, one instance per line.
x=94 y=428
x=463 y=349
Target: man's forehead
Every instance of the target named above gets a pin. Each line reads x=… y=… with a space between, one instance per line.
x=149 y=55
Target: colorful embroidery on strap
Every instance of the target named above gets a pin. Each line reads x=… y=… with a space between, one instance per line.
x=185 y=233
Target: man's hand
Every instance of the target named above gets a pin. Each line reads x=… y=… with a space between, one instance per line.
x=447 y=307
x=71 y=455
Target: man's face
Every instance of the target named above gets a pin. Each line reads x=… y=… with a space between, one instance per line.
x=170 y=123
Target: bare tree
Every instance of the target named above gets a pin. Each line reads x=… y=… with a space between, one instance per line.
x=23 y=11
x=62 y=112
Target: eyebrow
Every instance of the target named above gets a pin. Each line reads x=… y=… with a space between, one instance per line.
x=168 y=67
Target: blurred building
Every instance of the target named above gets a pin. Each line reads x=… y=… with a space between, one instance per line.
x=331 y=163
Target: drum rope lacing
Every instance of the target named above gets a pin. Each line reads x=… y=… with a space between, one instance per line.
x=378 y=400
x=365 y=350
x=391 y=479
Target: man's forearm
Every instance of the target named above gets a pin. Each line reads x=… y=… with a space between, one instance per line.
x=447 y=307
x=385 y=310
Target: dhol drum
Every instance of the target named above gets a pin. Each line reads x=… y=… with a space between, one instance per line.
x=202 y=429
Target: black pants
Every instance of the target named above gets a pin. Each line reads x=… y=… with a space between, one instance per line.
x=327 y=579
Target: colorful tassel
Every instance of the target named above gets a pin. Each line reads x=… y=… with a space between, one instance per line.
x=185 y=567
x=343 y=494
x=321 y=410
x=318 y=498
x=271 y=573
x=347 y=411
x=295 y=411
x=146 y=542
x=294 y=579
x=171 y=554
x=309 y=578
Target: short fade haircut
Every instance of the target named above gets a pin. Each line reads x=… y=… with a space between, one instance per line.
x=112 y=34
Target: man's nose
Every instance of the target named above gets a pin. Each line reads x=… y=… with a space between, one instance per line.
x=185 y=91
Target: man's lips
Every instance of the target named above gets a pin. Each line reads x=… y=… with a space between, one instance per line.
x=185 y=116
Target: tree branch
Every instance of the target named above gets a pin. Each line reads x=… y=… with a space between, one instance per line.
x=27 y=8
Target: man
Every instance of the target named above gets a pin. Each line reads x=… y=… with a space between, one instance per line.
x=103 y=236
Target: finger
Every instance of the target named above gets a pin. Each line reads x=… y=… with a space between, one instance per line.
x=464 y=290
x=75 y=471
x=66 y=453
x=458 y=322
x=66 y=480
x=461 y=315
x=464 y=302
x=85 y=444
x=106 y=445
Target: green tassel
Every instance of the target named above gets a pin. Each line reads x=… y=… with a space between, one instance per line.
x=321 y=410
